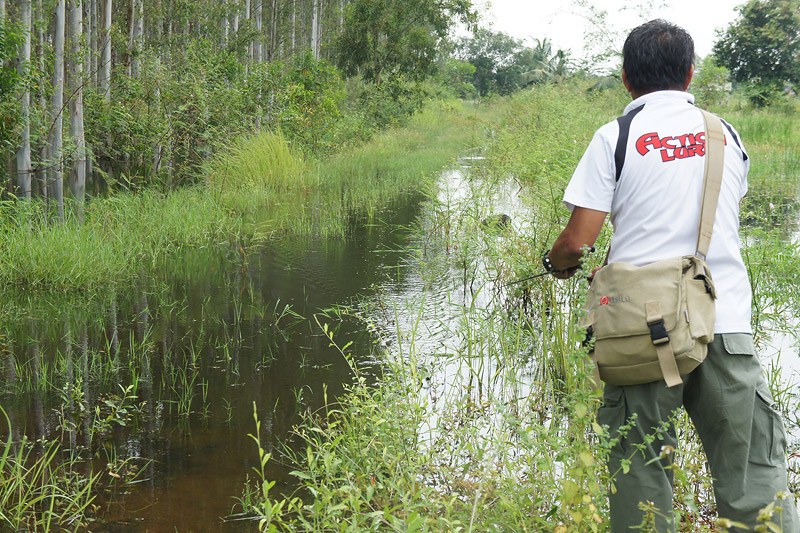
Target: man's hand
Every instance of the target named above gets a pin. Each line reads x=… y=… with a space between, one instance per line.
x=581 y=232
x=565 y=274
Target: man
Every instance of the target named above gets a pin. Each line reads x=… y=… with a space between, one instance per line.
x=646 y=169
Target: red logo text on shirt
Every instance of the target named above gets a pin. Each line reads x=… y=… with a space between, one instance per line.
x=673 y=147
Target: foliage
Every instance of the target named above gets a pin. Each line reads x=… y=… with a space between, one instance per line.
x=10 y=39
x=710 y=82
x=310 y=95
x=38 y=490
x=490 y=52
x=187 y=116
x=457 y=76
x=504 y=65
x=762 y=47
x=384 y=38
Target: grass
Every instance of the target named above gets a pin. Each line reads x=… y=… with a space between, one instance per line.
x=39 y=490
x=494 y=429
x=258 y=189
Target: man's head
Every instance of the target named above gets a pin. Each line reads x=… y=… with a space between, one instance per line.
x=657 y=56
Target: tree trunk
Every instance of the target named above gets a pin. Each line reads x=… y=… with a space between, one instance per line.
x=258 y=46
x=315 y=27
x=131 y=24
x=94 y=43
x=56 y=175
x=23 y=67
x=87 y=33
x=235 y=17
x=104 y=74
x=224 y=24
x=294 y=27
x=247 y=17
x=136 y=38
x=272 y=42
x=77 y=180
x=157 y=24
x=40 y=172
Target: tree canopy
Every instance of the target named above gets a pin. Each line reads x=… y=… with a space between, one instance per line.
x=382 y=37
x=762 y=46
x=504 y=64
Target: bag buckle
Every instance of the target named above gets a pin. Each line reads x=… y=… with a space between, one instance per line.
x=658 y=333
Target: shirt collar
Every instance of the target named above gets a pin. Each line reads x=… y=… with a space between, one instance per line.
x=659 y=96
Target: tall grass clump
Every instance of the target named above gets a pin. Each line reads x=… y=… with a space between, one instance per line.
x=265 y=180
x=114 y=241
x=39 y=490
x=263 y=161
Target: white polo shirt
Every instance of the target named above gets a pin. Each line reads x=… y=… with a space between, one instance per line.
x=655 y=203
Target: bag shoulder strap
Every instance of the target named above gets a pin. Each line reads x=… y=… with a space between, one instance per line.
x=712 y=179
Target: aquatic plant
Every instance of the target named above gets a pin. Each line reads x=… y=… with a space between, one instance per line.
x=41 y=490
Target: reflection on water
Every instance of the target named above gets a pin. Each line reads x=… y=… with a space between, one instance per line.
x=156 y=386
x=448 y=313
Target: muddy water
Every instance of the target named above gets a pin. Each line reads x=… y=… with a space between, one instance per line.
x=156 y=386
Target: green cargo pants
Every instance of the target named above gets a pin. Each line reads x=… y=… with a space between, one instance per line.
x=730 y=405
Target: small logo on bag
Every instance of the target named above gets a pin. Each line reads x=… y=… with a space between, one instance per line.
x=611 y=300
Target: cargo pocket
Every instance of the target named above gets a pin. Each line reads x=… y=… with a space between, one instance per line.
x=738 y=343
x=612 y=412
x=767 y=440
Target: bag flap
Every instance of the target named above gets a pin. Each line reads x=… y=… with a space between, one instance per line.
x=619 y=294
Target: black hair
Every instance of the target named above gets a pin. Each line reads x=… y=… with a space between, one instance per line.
x=657 y=56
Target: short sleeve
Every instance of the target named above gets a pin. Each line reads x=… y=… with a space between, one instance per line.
x=594 y=180
x=742 y=159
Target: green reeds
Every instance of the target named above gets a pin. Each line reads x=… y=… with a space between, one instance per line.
x=39 y=490
x=260 y=187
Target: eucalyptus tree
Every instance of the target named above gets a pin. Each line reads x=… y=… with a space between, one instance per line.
x=104 y=69
x=55 y=175
x=315 y=28
x=136 y=37
x=77 y=179
x=23 y=169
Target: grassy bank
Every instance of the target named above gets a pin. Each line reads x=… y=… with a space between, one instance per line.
x=257 y=189
x=66 y=277
x=495 y=431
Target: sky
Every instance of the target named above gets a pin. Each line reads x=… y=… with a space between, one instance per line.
x=565 y=24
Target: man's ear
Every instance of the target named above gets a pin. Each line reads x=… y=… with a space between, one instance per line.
x=625 y=81
x=688 y=80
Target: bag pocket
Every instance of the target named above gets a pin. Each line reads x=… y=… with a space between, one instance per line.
x=701 y=311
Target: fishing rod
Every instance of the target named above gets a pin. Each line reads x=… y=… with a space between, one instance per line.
x=542 y=274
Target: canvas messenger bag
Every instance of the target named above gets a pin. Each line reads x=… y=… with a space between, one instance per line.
x=655 y=322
